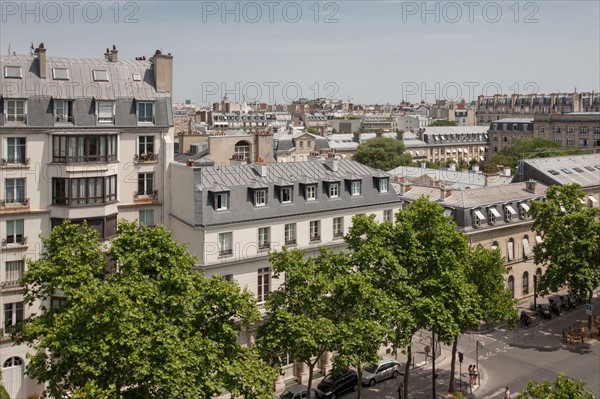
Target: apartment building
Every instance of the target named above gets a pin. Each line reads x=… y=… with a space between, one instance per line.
x=494 y=217
x=572 y=130
x=80 y=139
x=233 y=216
x=505 y=132
x=453 y=143
x=293 y=145
x=492 y=108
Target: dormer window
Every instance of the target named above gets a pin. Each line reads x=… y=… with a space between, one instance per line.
x=355 y=188
x=287 y=194
x=60 y=73
x=311 y=192
x=478 y=218
x=383 y=185
x=523 y=209
x=492 y=215
x=222 y=201
x=100 y=75
x=145 y=112
x=63 y=111
x=509 y=212
x=105 y=111
x=13 y=72
x=260 y=197
x=334 y=190
x=15 y=110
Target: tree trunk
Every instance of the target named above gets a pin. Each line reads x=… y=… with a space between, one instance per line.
x=433 y=392
x=359 y=372
x=453 y=366
x=591 y=316
x=311 y=367
x=407 y=369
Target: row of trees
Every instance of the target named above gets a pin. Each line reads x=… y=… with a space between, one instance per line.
x=396 y=279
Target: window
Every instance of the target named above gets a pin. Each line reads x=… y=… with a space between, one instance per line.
x=509 y=211
x=542 y=129
x=355 y=187
x=13 y=271
x=286 y=195
x=145 y=112
x=16 y=150
x=105 y=111
x=14 y=231
x=526 y=248
x=387 y=216
x=315 y=230
x=15 y=110
x=525 y=283
x=110 y=188
x=57 y=302
x=557 y=129
x=227 y=277
x=301 y=145
x=495 y=245
x=242 y=150
x=225 y=244
x=146 y=217
x=311 y=193
x=583 y=142
x=338 y=227
x=146 y=145
x=583 y=130
x=13 y=314
x=137 y=77
x=14 y=191
x=264 y=284
x=63 y=111
x=492 y=215
x=264 y=241
x=597 y=131
x=13 y=72
x=511 y=250
x=290 y=233
x=60 y=73
x=260 y=197
x=383 y=185
x=79 y=149
x=13 y=362
x=334 y=190
x=570 y=130
x=523 y=209
x=570 y=142
x=145 y=184
x=222 y=201
x=478 y=218
x=511 y=285
x=100 y=75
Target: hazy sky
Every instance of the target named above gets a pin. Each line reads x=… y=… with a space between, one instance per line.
x=369 y=51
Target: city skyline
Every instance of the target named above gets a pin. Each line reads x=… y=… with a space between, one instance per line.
x=376 y=52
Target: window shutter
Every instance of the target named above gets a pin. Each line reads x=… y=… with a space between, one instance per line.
x=526 y=249
x=510 y=251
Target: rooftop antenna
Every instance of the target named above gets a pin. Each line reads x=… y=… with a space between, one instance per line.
x=8 y=48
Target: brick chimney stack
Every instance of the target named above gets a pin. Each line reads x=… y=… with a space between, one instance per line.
x=163 y=72
x=41 y=55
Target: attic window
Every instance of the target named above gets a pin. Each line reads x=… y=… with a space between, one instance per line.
x=100 y=75
x=60 y=73
x=137 y=77
x=567 y=171
x=12 y=72
x=590 y=168
x=578 y=170
x=555 y=173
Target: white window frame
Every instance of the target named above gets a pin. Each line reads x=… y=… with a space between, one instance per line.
x=222 y=201
x=18 y=231
x=226 y=243
x=15 y=115
x=384 y=185
x=13 y=271
x=13 y=68
x=315 y=230
x=64 y=116
x=355 y=188
x=523 y=209
x=290 y=191
x=311 y=192
x=264 y=238
x=263 y=286
x=146 y=217
x=96 y=75
x=334 y=190
x=510 y=254
x=104 y=119
x=16 y=149
x=147 y=180
x=338 y=227
x=260 y=197
x=145 y=104
x=54 y=76
x=14 y=190
x=14 y=311
x=290 y=233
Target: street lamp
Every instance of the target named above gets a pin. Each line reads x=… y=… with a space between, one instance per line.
x=477 y=343
x=535 y=281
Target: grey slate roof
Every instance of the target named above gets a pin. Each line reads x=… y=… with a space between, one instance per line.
x=453 y=179
x=561 y=170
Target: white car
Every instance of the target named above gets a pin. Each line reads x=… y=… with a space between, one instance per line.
x=387 y=368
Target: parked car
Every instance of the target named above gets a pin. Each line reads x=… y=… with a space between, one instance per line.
x=296 y=392
x=372 y=373
x=336 y=383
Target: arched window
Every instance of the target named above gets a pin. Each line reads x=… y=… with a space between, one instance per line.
x=511 y=285
x=538 y=275
x=526 y=248
x=242 y=150
x=511 y=250
x=525 y=283
x=13 y=361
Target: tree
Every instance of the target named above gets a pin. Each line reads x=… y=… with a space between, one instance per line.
x=136 y=319
x=442 y=122
x=538 y=147
x=300 y=321
x=562 y=388
x=312 y=130
x=382 y=153
x=570 y=246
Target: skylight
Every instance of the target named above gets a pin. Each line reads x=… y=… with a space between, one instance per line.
x=566 y=171
x=100 y=75
x=578 y=170
x=60 y=73
x=555 y=173
x=12 y=72
x=137 y=77
x=590 y=168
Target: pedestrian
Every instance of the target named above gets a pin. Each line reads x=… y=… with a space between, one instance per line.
x=401 y=391
x=475 y=373
x=470 y=374
x=507 y=393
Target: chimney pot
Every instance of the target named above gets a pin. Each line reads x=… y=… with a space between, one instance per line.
x=41 y=55
x=530 y=186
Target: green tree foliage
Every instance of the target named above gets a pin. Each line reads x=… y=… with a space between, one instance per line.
x=300 y=320
x=442 y=122
x=313 y=131
x=570 y=244
x=382 y=153
x=529 y=148
x=136 y=319
x=562 y=388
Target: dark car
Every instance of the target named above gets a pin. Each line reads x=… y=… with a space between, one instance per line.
x=296 y=392
x=336 y=383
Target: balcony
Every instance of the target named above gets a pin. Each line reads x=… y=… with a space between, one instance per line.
x=14 y=162
x=143 y=197
x=14 y=205
x=11 y=285
x=146 y=157
x=17 y=242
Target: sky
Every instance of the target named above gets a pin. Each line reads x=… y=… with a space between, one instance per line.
x=373 y=52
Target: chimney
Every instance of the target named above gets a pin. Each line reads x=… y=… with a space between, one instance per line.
x=107 y=54
x=404 y=188
x=357 y=137
x=332 y=162
x=436 y=183
x=163 y=71
x=261 y=169
x=112 y=57
x=400 y=135
x=445 y=193
x=41 y=55
x=530 y=186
